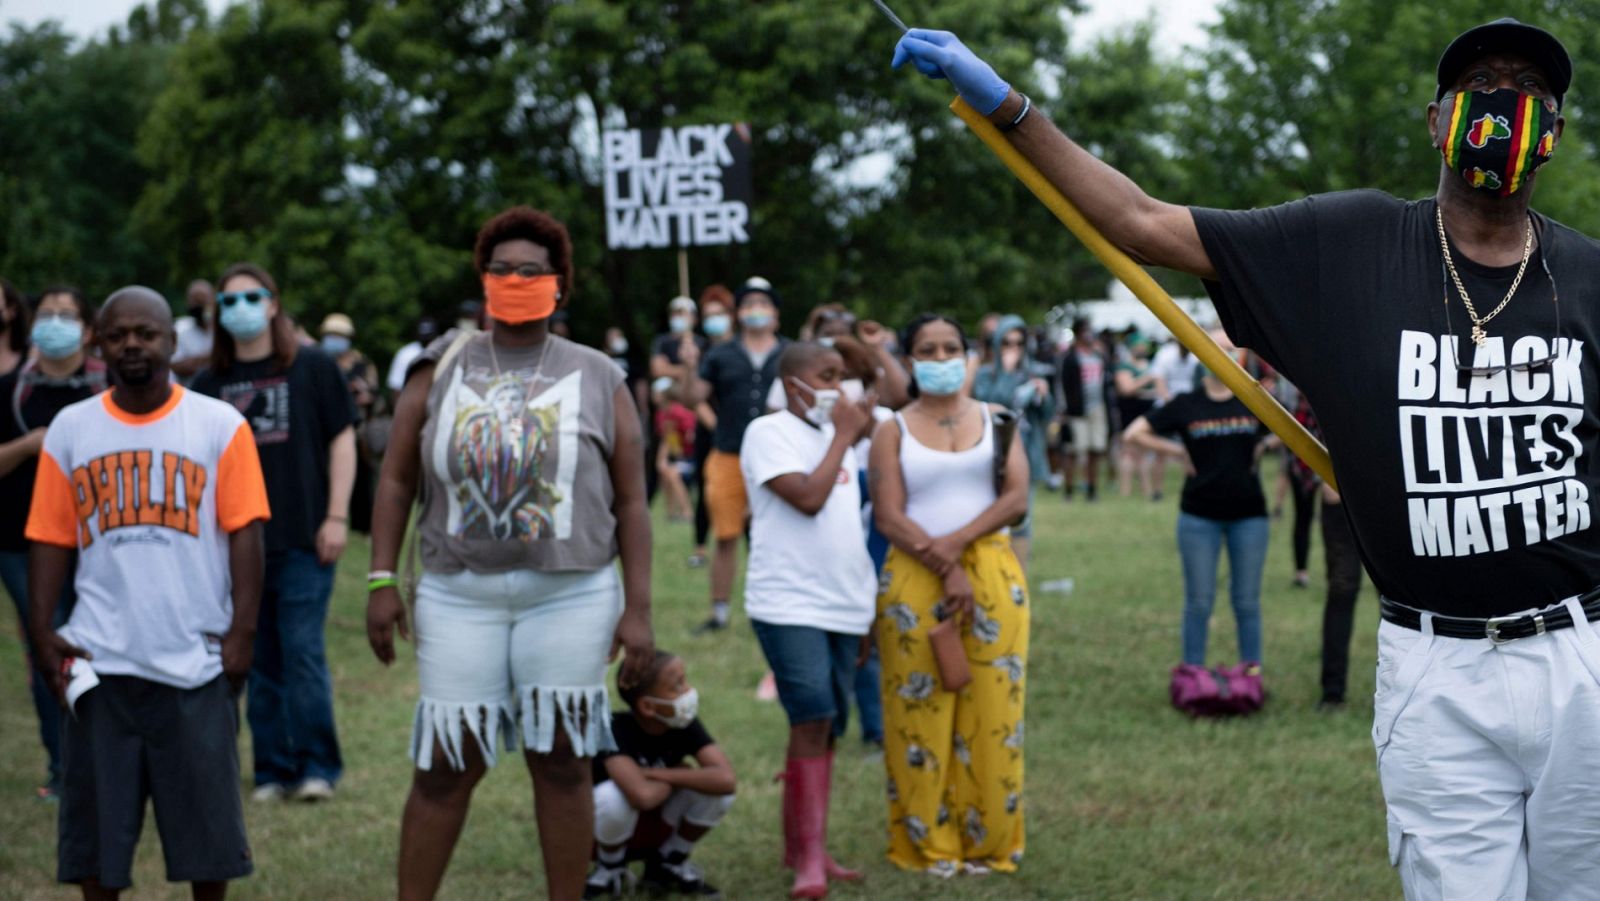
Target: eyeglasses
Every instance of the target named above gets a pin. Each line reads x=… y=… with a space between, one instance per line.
x=252 y=296
x=526 y=270
x=1524 y=366
x=1013 y=343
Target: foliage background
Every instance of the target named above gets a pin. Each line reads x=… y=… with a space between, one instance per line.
x=353 y=146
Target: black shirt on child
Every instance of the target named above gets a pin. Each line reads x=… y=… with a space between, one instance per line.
x=664 y=751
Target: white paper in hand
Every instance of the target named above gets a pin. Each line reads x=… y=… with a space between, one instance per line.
x=80 y=678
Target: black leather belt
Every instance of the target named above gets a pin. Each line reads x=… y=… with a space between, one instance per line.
x=1498 y=629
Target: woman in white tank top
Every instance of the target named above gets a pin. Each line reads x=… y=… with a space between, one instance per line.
x=954 y=758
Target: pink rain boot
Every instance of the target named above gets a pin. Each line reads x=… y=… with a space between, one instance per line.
x=808 y=782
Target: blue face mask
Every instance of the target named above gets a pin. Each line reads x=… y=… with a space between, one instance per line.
x=716 y=326
x=57 y=338
x=245 y=319
x=334 y=345
x=939 y=377
x=756 y=320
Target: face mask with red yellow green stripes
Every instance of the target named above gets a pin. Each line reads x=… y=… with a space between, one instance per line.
x=1495 y=139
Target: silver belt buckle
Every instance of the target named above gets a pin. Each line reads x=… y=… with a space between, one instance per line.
x=1491 y=628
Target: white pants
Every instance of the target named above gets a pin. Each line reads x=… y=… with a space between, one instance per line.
x=615 y=819
x=1489 y=756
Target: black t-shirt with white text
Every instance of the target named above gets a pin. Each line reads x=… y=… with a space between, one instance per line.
x=1221 y=438
x=30 y=400
x=665 y=751
x=1469 y=495
x=295 y=415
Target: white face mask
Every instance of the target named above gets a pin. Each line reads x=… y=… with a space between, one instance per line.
x=853 y=390
x=684 y=707
x=820 y=412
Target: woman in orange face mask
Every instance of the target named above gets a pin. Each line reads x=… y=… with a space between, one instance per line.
x=528 y=447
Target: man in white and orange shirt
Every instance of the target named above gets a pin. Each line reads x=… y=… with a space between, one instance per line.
x=160 y=494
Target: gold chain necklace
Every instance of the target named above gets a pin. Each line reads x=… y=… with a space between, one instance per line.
x=1478 y=335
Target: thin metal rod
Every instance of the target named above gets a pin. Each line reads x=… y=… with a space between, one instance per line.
x=882 y=7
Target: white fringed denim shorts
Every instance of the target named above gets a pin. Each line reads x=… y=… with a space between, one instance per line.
x=497 y=651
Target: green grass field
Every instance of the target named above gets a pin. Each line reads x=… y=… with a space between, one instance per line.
x=1125 y=797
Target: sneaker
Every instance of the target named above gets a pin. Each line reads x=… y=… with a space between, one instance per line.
x=270 y=791
x=47 y=794
x=1330 y=705
x=1302 y=580
x=675 y=875
x=709 y=626
x=314 y=789
x=696 y=561
x=608 y=882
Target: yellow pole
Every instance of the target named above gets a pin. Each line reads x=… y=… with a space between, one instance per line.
x=1186 y=330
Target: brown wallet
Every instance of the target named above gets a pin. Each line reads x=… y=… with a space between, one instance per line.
x=949 y=655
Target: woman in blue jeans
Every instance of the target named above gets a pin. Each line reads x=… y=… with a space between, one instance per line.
x=60 y=373
x=303 y=419
x=1219 y=443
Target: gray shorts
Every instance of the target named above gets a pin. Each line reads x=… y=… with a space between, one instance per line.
x=133 y=740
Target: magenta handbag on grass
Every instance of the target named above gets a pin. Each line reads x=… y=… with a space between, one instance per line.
x=1217 y=691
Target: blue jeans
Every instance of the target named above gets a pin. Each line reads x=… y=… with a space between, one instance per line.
x=14 y=575
x=1200 y=544
x=290 y=707
x=869 y=700
x=815 y=671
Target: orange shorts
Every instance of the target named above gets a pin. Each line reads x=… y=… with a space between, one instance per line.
x=725 y=497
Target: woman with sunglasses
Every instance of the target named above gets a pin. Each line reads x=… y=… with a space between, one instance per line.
x=304 y=423
x=529 y=450
x=954 y=759
x=62 y=373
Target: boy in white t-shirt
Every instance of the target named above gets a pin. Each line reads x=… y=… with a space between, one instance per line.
x=159 y=493
x=809 y=589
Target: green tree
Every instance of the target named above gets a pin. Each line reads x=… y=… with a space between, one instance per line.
x=68 y=120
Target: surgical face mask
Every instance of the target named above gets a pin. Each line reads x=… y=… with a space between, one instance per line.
x=619 y=346
x=245 y=319
x=757 y=319
x=1495 y=139
x=335 y=345
x=822 y=401
x=680 y=324
x=825 y=342
x=717 y=326
x=57 y=337
x=853 y=389
x=939 y=377
x=684 y=707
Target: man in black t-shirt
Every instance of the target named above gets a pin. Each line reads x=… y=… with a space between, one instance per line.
x=1461 y=432
x=646 y=777
x=734 y=378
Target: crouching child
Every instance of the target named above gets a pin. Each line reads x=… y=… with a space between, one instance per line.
x=649 y=804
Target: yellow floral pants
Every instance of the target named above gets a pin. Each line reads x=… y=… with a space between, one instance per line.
x=954 y=759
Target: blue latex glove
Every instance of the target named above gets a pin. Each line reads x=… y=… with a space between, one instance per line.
x=940 y=54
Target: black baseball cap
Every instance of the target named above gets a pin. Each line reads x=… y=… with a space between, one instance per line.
x=1538 y=46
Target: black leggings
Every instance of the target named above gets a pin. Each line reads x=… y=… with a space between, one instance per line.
x=1344 y=583
x=1305 y=508
x=702 y=518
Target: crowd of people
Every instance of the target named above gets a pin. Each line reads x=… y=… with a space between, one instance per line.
x=190 y=487
x=908 y=457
